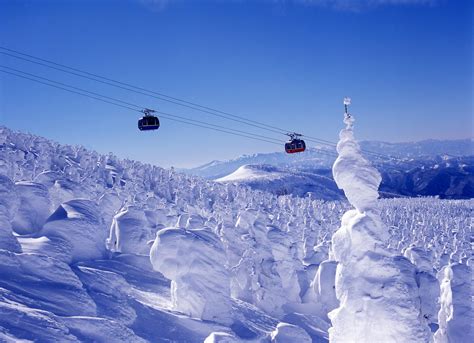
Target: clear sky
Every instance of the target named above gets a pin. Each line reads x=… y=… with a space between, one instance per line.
x=407 y=64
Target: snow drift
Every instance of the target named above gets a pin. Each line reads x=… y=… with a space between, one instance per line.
x=193 y=261
x=77 y=228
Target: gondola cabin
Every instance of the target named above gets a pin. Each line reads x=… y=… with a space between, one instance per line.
x=295 y=145
x=148 y=122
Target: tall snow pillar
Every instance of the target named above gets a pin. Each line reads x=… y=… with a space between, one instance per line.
x=455 y=316
x=377 y=290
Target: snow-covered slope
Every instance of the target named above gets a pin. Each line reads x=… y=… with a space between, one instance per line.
x=280 y=181
x=226 y=263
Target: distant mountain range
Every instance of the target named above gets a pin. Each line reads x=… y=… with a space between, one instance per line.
x=426 y=168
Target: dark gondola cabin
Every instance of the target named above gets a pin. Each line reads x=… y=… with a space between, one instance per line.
x=148 y=122
x=295 y=145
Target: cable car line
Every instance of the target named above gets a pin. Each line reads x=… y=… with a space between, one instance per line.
x=68 y=90
x=180 y=102
x=163 y=114
x=137 y=108
x=173 y=117
x=132 y=86
x=244 y=120
x=125 y=84
x=142 y=91
x=174 y=100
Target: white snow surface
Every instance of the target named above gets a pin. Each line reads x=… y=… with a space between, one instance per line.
x=227 y=264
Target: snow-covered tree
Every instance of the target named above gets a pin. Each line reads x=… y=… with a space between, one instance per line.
x=376 y=288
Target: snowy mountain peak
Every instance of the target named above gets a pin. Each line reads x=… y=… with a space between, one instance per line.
x=251 y=172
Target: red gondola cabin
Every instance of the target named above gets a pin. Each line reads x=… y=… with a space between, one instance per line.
x=295 y=145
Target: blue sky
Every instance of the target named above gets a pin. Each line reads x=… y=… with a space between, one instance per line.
x=407 y=64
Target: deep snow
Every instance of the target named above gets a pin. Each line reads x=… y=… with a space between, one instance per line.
x=229 y=264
